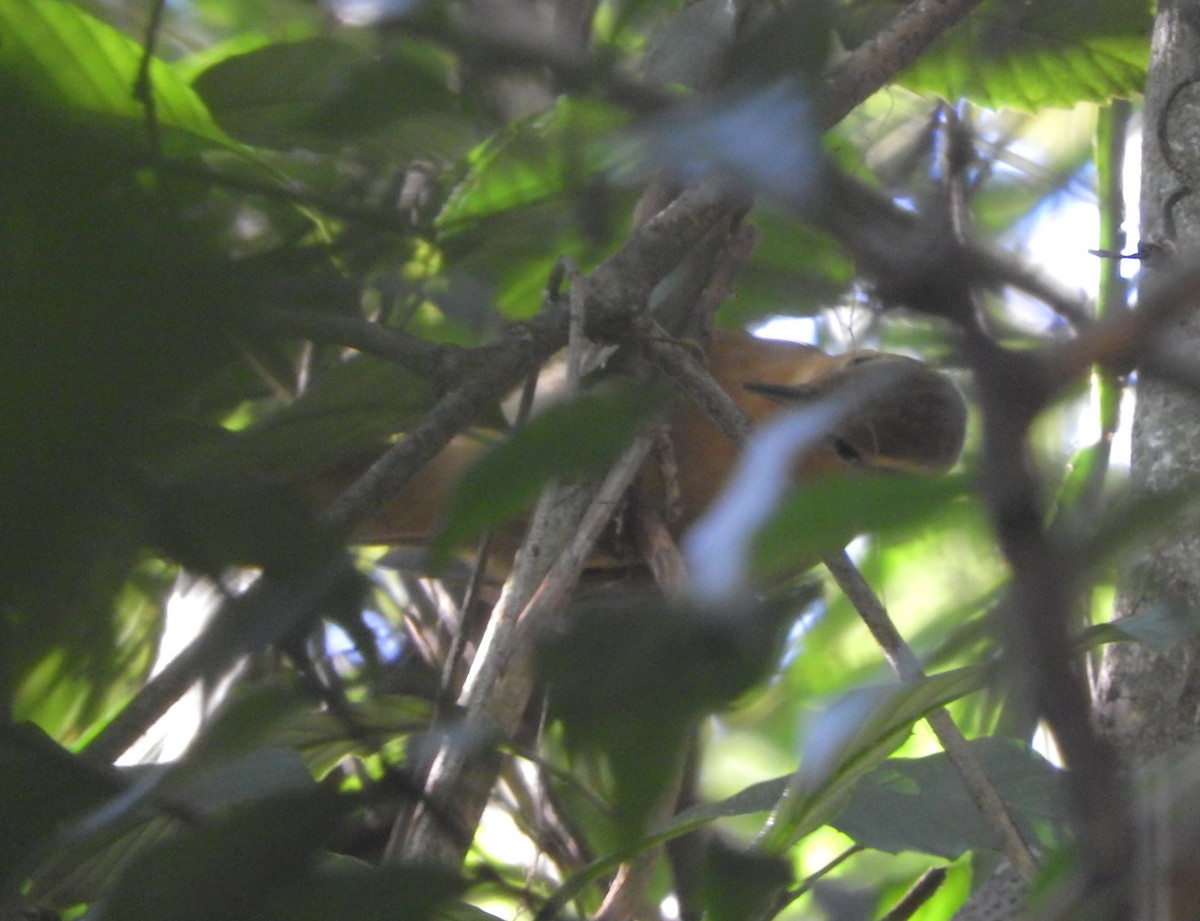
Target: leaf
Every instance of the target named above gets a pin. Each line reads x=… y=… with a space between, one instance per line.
x=531 y=162
x=354 y=408
x=233 y=867
x=44 y=787
x=802 y=803
x=812 y=522
x=630 y=674
x=95 y=850
x=322 y=91
x=848 y=741
x=1159 y=626
x=129 y=310
x=569 y=440
x=367 y=893
x=738 y=884
x=921 y=804
x=1029 y=55
x=68 y=58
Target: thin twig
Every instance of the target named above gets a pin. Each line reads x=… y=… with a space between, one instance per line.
x=906 y=665
x=917 y=895
x=733 y=422
x=619 y=286
x=438 y=362
x=143 y=84
x=787 y=898
x=501 y=679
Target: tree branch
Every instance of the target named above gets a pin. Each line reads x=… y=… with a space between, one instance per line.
x=874 y=64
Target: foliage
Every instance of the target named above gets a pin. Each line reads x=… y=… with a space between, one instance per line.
x=257 y=246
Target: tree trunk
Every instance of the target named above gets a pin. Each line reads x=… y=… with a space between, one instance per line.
x=1148 y=701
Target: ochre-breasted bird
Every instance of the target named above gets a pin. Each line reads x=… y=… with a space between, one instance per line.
x=917 y=425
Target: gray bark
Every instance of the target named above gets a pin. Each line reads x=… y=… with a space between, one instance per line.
x=1148 y=702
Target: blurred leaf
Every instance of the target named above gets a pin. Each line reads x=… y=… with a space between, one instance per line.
x=321 y=91
x=367 y=893
x=236 y=866
x=66 y=58
x=128 y=310
x=354 y=408
x=814 y=521
x=323 y=739
x=44 y=787
x=630 y=675
x=921 y=804
x=741 y=884
x=1027 y=55
x=65 y=696
x=210 y=785
x=97 y=849
x=794 y=270
x=564 y=441
x=766 y=138
x=1160 y=627
x=803 y=802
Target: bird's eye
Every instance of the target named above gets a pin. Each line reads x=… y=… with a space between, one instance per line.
x=861 y=359
x=847 y=451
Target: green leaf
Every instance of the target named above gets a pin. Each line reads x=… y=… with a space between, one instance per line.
x=67 y=58
x=802 y=802
x=738 y=884
x=920 y=804
x=849 y=740
x=44 y=787
x=531 y=162
x=354 y=409
x=630 y=675
x=129 y=310
x=347 y=889
x=321 y=91
x=1029 y=55
x=812 y=522
x=565 y=441
x=233 y=867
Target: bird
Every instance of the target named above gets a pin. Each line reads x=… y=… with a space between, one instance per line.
x=916 y=425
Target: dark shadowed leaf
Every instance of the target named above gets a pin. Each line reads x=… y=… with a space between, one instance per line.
x=740 y=884
x=236 y=866
x=320 y=90
x=630 y=674
x=46 y=787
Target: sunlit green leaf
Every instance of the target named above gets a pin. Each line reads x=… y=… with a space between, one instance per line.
x=64 y=56
x=1029 y=55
